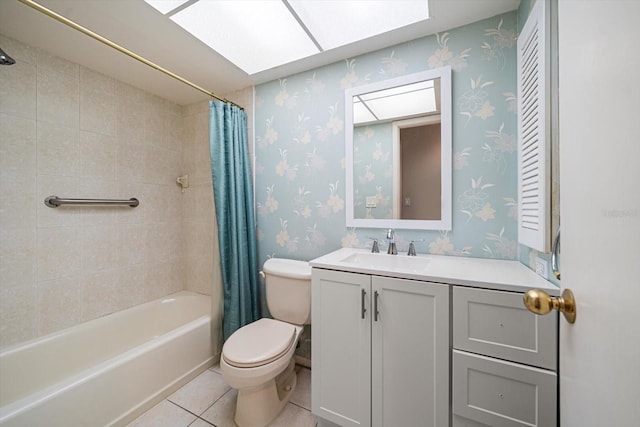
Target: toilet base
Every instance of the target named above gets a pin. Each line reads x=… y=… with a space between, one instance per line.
x=258 y=406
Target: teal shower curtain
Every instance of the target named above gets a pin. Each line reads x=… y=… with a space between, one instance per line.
x=233 y=195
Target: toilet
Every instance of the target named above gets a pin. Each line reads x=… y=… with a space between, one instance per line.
x=258 y=359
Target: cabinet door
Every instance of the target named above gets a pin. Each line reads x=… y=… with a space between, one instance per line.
x=410 y=353
x=341 y=349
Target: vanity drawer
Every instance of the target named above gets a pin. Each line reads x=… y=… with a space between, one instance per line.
x=496 y=323
x=498 y=393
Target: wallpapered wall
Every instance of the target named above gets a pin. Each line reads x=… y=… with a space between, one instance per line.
x=299 y=128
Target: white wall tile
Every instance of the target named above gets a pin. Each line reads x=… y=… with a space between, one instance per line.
x=14 y=325
x=18 y=201
x=161 y=166
x=130 y=115
x=59 y=304
x=157 y=279
x=72 y=132
x=154 y=122
x=130 y=161
x=17 y=257
x=98 y=102
x=58 y=252
x=98 y=248
x=129 y=285
x=130 y=245
x=164 y=241
x=98 y=294
x=162 y=203
x=17 y=171
x=17 y=145
x=58 y=91
x=18 y=90
x=58 y=150
x=199 y=275
x=97 y=155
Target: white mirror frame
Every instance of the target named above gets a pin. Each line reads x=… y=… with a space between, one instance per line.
x=444 y=73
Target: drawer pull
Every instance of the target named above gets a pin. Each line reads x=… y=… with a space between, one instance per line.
x=540 y=302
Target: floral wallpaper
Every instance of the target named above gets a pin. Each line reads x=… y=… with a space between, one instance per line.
x=299 y=163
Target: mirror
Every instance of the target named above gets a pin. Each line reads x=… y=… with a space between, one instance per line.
x=398 y=152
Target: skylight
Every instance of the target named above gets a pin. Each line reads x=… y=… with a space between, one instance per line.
x=257 y=35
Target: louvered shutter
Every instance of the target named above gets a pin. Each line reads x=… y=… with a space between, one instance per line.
x=534 y=130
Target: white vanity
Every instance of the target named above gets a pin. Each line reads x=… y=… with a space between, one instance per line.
x=429 y=341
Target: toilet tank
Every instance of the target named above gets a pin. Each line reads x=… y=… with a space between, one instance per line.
x=288 y=289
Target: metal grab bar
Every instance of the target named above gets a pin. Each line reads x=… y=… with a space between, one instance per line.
x=55 y=201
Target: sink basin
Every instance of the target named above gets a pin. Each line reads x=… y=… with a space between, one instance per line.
x=388 y=262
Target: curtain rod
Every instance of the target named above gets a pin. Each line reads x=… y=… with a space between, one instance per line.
x=119 y=48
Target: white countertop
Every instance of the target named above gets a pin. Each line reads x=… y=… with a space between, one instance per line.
x=453 y=270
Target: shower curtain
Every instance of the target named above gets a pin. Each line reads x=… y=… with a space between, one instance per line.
x=233 y=196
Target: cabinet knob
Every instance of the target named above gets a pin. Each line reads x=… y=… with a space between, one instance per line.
x=540 y=302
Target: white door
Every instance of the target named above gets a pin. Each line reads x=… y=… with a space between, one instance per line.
x=599 y=60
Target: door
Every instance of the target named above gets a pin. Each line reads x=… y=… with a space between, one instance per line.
x=341 y=350
x=600 y=211
x=410 y=353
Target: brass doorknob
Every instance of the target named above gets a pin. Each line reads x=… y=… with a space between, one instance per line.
x=540 y=302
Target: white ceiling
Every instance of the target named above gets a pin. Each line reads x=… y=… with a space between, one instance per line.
x=140 y=28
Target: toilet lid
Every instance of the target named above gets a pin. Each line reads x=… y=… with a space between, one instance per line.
x=258 y=343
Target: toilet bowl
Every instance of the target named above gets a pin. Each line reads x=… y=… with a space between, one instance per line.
x=258 y=359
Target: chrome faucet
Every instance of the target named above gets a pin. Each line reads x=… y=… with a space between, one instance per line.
x=391 y=238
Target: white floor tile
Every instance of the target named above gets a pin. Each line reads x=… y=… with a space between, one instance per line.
x=201 y=392
x=209 y=396
x=222 y=412
x=293 y=415
x=164 y=414
x=216 y=368
x=301 y=396
x=200 y=423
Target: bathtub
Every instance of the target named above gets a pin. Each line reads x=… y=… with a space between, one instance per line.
x=109 y=370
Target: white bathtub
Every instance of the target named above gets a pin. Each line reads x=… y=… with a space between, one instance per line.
x=109 y=370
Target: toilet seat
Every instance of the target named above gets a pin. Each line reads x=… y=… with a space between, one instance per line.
x=259 y=343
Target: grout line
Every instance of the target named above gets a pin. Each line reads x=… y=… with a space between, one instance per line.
x=181 y=407
x=299 y=406
x=202 y=419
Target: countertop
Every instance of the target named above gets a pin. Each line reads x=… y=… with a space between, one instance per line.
x=453 y=270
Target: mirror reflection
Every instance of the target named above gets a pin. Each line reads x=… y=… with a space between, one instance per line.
x=399 y=152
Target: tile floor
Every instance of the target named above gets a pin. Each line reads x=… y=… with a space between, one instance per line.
x=208 y=401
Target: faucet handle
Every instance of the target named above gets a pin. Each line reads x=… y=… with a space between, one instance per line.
x=375 y=248
x=412 y=249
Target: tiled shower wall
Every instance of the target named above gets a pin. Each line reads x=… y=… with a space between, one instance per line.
x=68 y=131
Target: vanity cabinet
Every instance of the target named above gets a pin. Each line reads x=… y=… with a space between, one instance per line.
x=504 y=361
x=380 y=354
